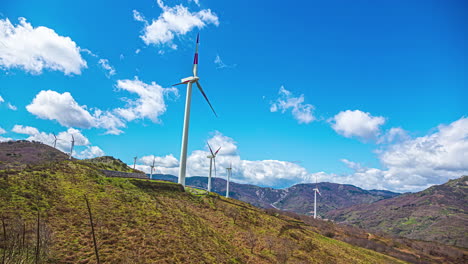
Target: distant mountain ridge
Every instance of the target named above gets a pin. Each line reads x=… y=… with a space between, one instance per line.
x=439 y=213
x=298 y=198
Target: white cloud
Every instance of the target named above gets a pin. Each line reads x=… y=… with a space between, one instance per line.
x=64 y=109
x=197 y=2
x=90 y=152
x=168 y=161
x=174 y=21
x=36 y=49
x=104 y=63
x=357 y=124
x=300 y=111
x=1 y=99
x=261 y=172
x=409 y=165
x=395 y=134
x=3 y=139
x=150 y=102
x=11 y=107
x=61 y=107
x=220 y=64
x=25 y=130
x=109 y=121
x=415 y=164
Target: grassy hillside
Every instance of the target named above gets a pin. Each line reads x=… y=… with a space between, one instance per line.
x=438 y=213
x=142 y=221
x=110 y=163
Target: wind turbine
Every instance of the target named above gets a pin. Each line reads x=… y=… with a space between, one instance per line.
x=228 y=172
x=55 y=139
x=152 y=167
x=134 y=161
x=316 y=190
x=189 y=81
x=212 y=158
x=72 y=145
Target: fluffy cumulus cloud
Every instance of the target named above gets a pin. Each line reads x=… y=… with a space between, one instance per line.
x=27 y=130
x=394 y=134
x=357 y=124
x=61 y=107
x=90 y=152
x=261 y=172
x=172 y=22
x=286 y=101
x=34 y=49
x=415 y=164
x=150 y=102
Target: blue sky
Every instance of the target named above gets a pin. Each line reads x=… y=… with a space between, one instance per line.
x=362 y=92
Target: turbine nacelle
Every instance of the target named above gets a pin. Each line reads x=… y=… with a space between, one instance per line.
x=191 y=79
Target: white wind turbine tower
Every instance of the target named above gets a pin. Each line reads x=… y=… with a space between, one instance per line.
x=134 y=161
x=152 y=168
x=229 y=173
x=72 y=145
x=212 y=158
x=55 y=140
x=316 y=190
x=189 y=81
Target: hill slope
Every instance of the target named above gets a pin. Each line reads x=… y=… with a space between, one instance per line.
x=142 y=221
x=19 y=154
x=439 y=213
x=298 y=198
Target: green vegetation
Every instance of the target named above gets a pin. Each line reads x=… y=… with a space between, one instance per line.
x=143 y=221
x=109 y=163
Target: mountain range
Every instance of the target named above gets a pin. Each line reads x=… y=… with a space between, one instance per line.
x=439 y=213
x=298 y=198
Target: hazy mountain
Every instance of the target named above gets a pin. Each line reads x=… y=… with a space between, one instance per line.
x=439 y=213
x=298 y=198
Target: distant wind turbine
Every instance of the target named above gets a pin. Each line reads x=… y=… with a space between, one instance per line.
x=316 y=190
x=55 y=140
x=152 y=168
x=212 y=158
x=134 y=161
x=189 y=81
x=229 y=172
x=72 y=145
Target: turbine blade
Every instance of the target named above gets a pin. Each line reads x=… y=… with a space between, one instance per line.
x=180 y=83
x=217 y=151
x=195 y=58
x=210 y=148
x=206 y=98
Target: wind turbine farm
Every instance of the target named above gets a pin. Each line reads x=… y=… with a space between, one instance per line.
x=341 y=136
